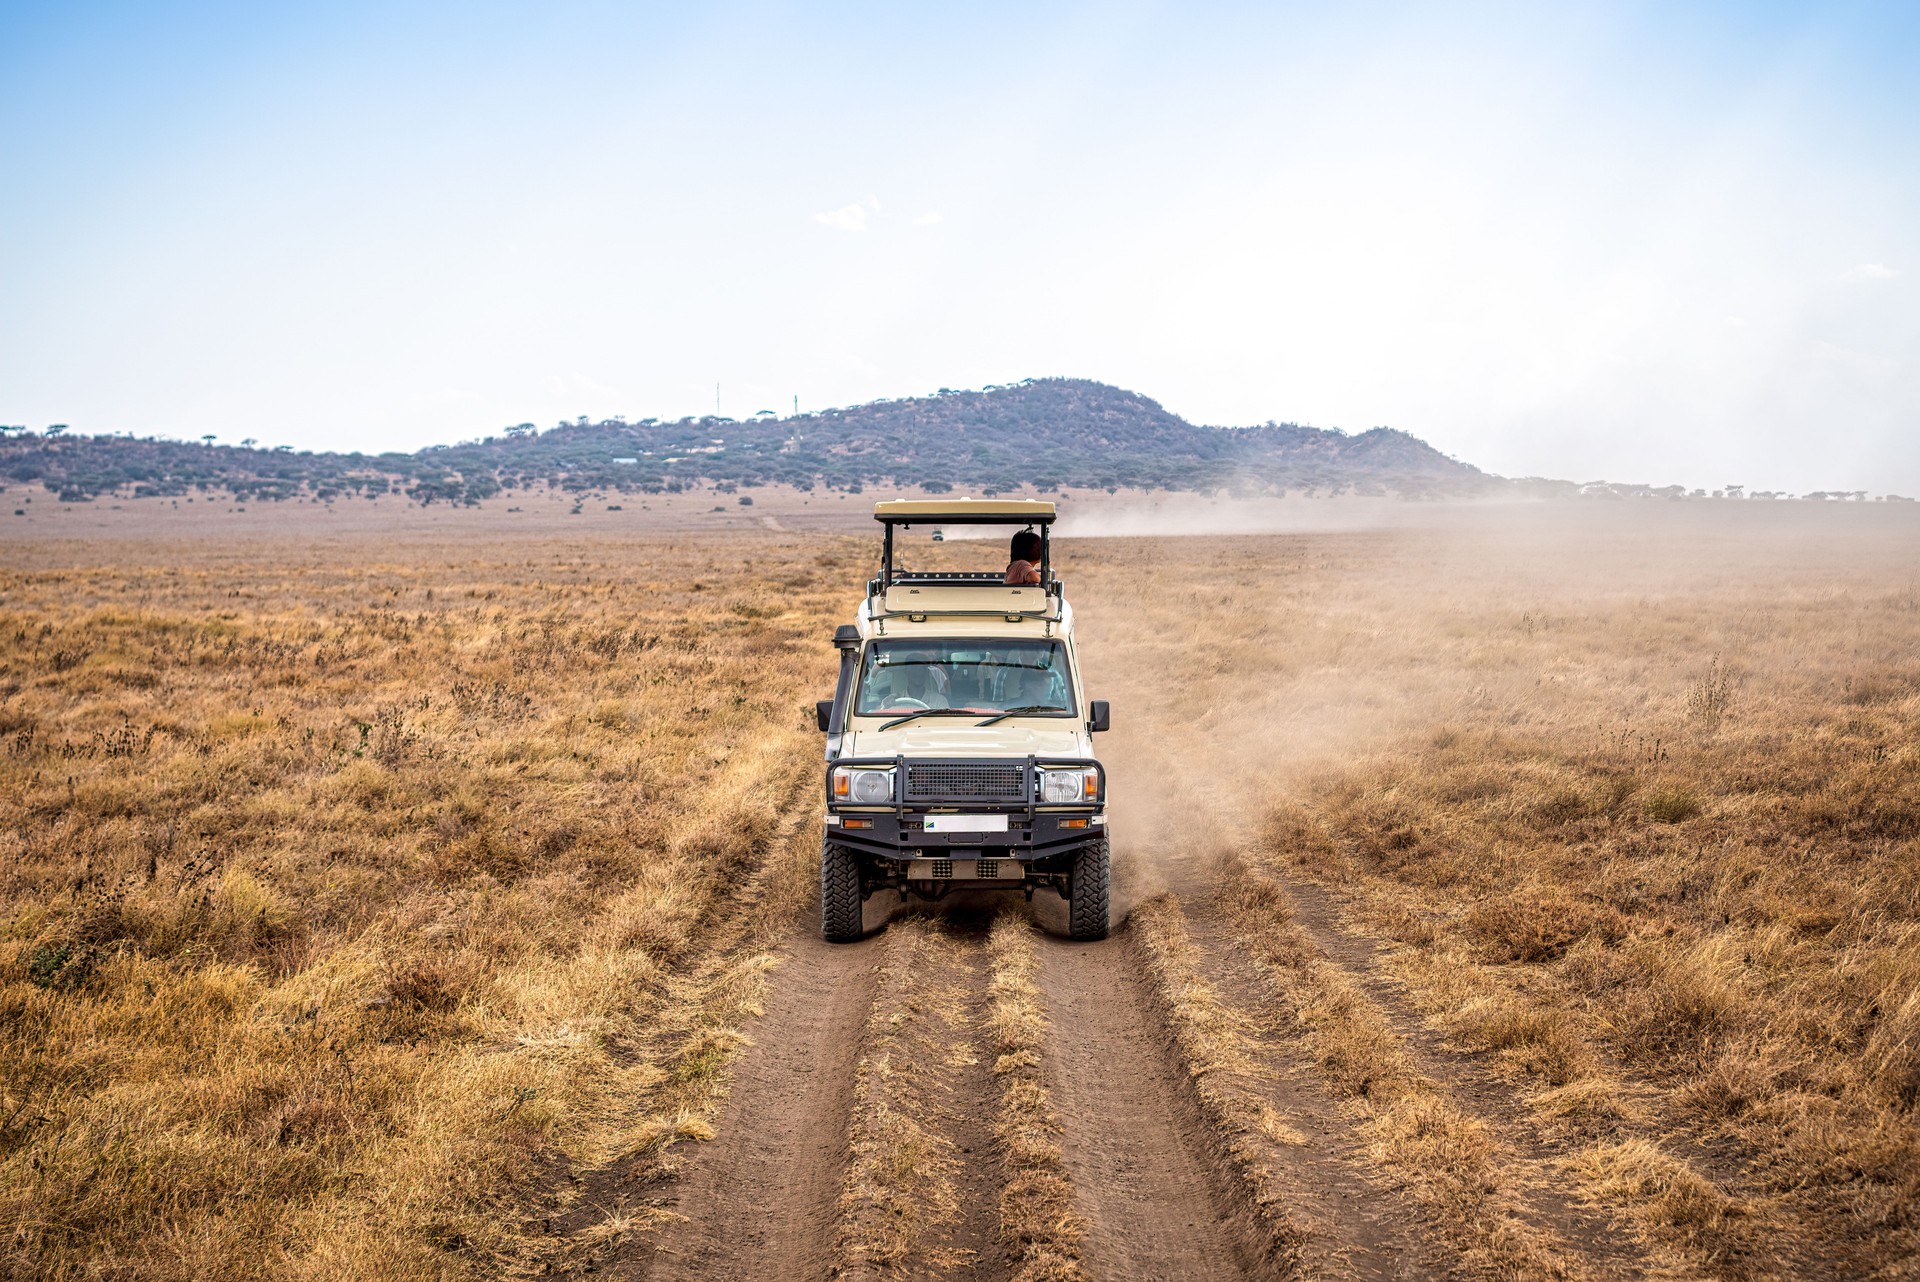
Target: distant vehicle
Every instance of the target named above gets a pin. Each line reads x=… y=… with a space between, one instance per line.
x=939 y=536
x=959 y=738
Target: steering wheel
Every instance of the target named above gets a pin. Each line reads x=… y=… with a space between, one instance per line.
x=906 y=703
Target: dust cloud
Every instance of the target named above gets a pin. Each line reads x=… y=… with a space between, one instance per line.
x=1193 y=514
x=1154 y=516
x=1246 y=665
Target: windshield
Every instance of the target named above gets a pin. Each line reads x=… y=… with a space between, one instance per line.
x=988 y=675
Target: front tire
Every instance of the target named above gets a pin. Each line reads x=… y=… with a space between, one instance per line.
x=841 y=903
x=1087 y=886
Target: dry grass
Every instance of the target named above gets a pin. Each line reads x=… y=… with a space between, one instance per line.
x=1664 y=855
x=359 y=895
x=1633 y=793
x=1219 y=1048
x=344 y=902
x=1037 y=1216
x=902 y=1201
x=1450 y=1161
x=1751 y=959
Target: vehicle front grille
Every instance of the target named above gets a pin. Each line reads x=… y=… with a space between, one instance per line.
x=995 y=782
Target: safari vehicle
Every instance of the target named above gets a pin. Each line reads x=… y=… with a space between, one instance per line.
x=959 y=739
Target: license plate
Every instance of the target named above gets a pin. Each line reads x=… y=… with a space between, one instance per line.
x=966 y=823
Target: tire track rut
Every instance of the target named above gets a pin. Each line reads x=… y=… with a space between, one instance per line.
x=1361 y=1229
x=1306 y=961
x=761 y=1199
x=1133 y=1143
x=1739 y=1249
x=1472 y=1083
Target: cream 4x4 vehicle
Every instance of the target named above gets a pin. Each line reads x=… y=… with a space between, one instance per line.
x=959 y=740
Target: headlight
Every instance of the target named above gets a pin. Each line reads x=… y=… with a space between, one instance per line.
x=863 y=787
x=1063 y=787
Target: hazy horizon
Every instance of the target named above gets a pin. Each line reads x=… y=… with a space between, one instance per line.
x=1658 y=243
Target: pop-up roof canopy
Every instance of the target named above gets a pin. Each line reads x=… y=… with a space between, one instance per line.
x=899 y=513
x=964 y=511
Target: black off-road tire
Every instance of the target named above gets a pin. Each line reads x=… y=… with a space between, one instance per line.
x=840 y=900
x=1087 y=893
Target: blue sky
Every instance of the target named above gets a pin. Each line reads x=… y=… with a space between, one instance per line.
x=1640 y=242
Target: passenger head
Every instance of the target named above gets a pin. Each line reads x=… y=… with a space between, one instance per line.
x=1035 y=686
x=1026 y=547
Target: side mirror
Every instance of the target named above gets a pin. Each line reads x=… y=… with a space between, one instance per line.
x=1098 y=718
x=823 y=713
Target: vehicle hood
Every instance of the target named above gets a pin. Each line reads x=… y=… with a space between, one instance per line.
x=960 y=737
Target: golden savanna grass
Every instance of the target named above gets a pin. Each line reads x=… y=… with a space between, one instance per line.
x=1419 y=1135
x=1037 y=1216
x=341 y=897
x=1632 y=795
x=1653 y=846
x=902 y=1199
x=360 y=893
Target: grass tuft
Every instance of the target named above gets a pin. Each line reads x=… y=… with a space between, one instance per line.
x=1037 y=1217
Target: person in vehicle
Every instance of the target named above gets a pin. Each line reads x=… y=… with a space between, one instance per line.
x=907 y=686
x=1032 y=688
x=1025 y=566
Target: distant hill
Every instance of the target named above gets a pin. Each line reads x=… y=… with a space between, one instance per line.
x=1050 y=433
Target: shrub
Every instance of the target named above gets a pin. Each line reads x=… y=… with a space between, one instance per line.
x=1537 y=928
x=1671 y=806
x=1709 y=697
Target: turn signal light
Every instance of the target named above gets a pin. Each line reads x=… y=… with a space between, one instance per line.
x=1073 y=823
x=856 y=823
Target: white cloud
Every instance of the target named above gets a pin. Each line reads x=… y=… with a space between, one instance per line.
x=928 y=220
x=1871 y=271
x=1845 y=358
x=849 y=217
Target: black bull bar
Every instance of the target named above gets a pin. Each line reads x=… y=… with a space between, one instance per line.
x=976 y=785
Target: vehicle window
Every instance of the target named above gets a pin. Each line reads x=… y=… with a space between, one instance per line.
x=964 y=676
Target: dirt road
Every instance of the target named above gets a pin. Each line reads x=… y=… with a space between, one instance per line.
x=759 y=1200
x=776 y=1193
x=1189 y=1097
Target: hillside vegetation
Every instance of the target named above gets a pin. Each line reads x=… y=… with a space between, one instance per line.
x=1049 y=433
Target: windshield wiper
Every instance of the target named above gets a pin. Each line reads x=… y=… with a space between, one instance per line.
x=924 y=712
x=1017 y=712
